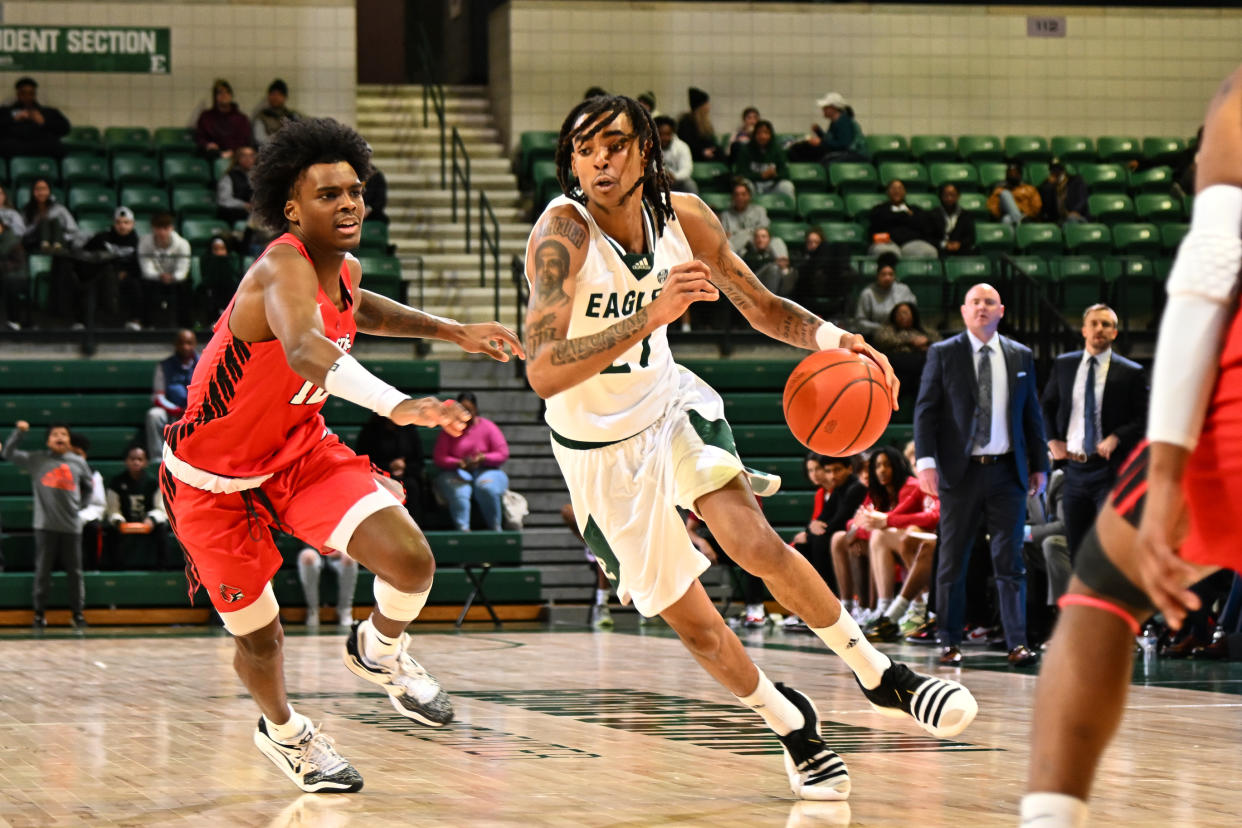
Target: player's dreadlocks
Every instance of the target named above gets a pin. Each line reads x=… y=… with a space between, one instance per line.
x=599 y=112
x=297 y=146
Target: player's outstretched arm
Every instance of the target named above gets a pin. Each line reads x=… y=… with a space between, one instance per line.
x=554 y=254
x=768 y=313
x=381 y=316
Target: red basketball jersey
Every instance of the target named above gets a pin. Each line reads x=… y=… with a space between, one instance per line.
x=1222 y=427
x=248 y=413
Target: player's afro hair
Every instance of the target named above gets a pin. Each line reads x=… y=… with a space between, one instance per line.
x=286 y=156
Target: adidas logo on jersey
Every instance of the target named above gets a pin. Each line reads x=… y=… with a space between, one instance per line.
x=641 y=264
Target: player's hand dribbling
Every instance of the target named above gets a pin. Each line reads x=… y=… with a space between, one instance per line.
x=686 y=284
x=1163 y=575
x=429 y=411
x=490 y=338
x=856 y=343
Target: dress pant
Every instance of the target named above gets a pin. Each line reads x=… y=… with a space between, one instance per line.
x=990 y=494
x=1086 y=488
x=64 y=548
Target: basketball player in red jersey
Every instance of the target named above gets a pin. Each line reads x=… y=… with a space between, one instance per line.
x=1172 y=517
x=252 y=452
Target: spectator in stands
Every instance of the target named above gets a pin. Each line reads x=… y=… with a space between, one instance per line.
x=112 y=276
x=470 y=468
x=741 y=136
x=398 y=450
x=164 y=260
x=952 y=228
x=695 y=127
x=310 y=564
x=49 y=224
x=170 y=388
x=762 y=161
x=877 y=300
x=13 y=276
x=887 y=472
x=233 y=190
x=29 y=128
x=594 y=92
x=1013 y=200
x=10 y=216
x=905 y=341
x=678 y=162
x=220 y=273
x=222 y=128
x=742 y=218
x=1063 y=196
x=648 y=100
x=136 y=515
x=61 y=482
x=842 y=141
x=270 y=118
x=768 y=258
x=90 y=516
x=898 y=227
x=376 y=197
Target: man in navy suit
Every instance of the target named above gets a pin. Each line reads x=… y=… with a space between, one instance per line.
x=979 y=440
x=1114 y=390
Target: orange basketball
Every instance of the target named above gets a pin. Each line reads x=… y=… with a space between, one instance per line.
x=837 y=402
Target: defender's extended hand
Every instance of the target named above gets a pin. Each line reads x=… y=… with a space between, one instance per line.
x=490 y=338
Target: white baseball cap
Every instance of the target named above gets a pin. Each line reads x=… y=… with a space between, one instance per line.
x=833 y=99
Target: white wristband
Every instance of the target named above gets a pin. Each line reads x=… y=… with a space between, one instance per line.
x=829 y=336
x=348 y=380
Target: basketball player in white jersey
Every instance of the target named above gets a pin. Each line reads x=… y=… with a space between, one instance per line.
x=611 y=265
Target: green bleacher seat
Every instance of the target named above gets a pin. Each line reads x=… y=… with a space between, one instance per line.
x=976 y=204
x=792 y=470
x=1118 y=148
x=1188 y=205
x=1088 y=238
x=4 y=172
x=792 y=233
x=1136 y=239
x=1036 y=267
x=392 y=287
x=786 y=507
x=83 y=139
x=926 y=278
x=740 y=374
x=193 y=201
x=847 y=233
x=858 y=205
x=183 y=169
x=976 y=148
x=887 y=148
x=1039 y=239
x=84 y=168
x=1104 y=177
x=1135 y=284
x=1172 y=233
x=1153 y=180
x=1110 y=208
x=1162 y=148
x=379 y=266
x=780 y=206
x=963 y=176
x=991 y=173
x=1027 y=148
x=135 y=169
x=923 y=201
x=127 y=139
x=816 y=208
x=719 y=201
x=967 y=269
x=374 y=237
x=865 y=266
x=753 y=408
x=199 y=231
x=1073 y=148
x=537 y=145
x=852 y=177
x=76 y=373
x=78 y=409
x=543 y=177
x=93 y=199
x=808 y=178
x=1079 y=283
x=994 y=238
x=1158 y=208
x=931 y=149
x=914 y=176
x=144 y=200
x=710 y=176
x=1035 y=173
x=175 y=141
x=24 y=169
x=221 y=166
x=91 y=223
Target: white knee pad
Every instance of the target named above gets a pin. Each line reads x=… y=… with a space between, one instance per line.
x=254 y=617
x=397 y=605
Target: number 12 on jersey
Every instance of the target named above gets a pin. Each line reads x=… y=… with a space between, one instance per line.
x=306 y=397
x=624 y=367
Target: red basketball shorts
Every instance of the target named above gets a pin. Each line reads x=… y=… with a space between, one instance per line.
x=321 y=498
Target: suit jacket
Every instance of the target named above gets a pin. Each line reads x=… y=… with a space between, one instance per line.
x=1123 y=411
x=945 y=411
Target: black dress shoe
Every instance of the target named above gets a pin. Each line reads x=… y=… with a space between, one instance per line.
x=1216 y=651
x=951 y=657
x=1023 y=656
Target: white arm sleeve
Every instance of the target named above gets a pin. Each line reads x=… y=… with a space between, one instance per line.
x=1201 y=288
x=348 y=380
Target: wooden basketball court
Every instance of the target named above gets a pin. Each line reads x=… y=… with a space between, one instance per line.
x=559 y=727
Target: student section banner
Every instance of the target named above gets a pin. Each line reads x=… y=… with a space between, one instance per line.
x=85 y=49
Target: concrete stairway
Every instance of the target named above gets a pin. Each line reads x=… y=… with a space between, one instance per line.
x=391 y=118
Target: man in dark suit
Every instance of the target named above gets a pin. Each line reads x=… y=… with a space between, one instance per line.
x=979 y=440
x=1093 y=449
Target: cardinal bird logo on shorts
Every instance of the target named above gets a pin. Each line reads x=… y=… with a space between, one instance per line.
x=231 y=595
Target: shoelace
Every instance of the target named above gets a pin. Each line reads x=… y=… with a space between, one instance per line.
x=317 y=751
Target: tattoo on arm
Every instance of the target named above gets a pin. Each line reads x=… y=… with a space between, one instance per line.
x=380 y=315
x=551 y=271
x=799 y=326
x=569 y=351
x=539 y=331
x=561 y=226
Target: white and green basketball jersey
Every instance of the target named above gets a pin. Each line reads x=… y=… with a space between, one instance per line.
x=634 y=391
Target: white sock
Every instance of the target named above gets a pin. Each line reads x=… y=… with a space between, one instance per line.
x=777 y=711
x=881 y=606
x=601 y=597
x=897 y=608
x=290 y=731
x=375 y=645
x=846 y=640
x=1053 y=810
x=754 y=609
